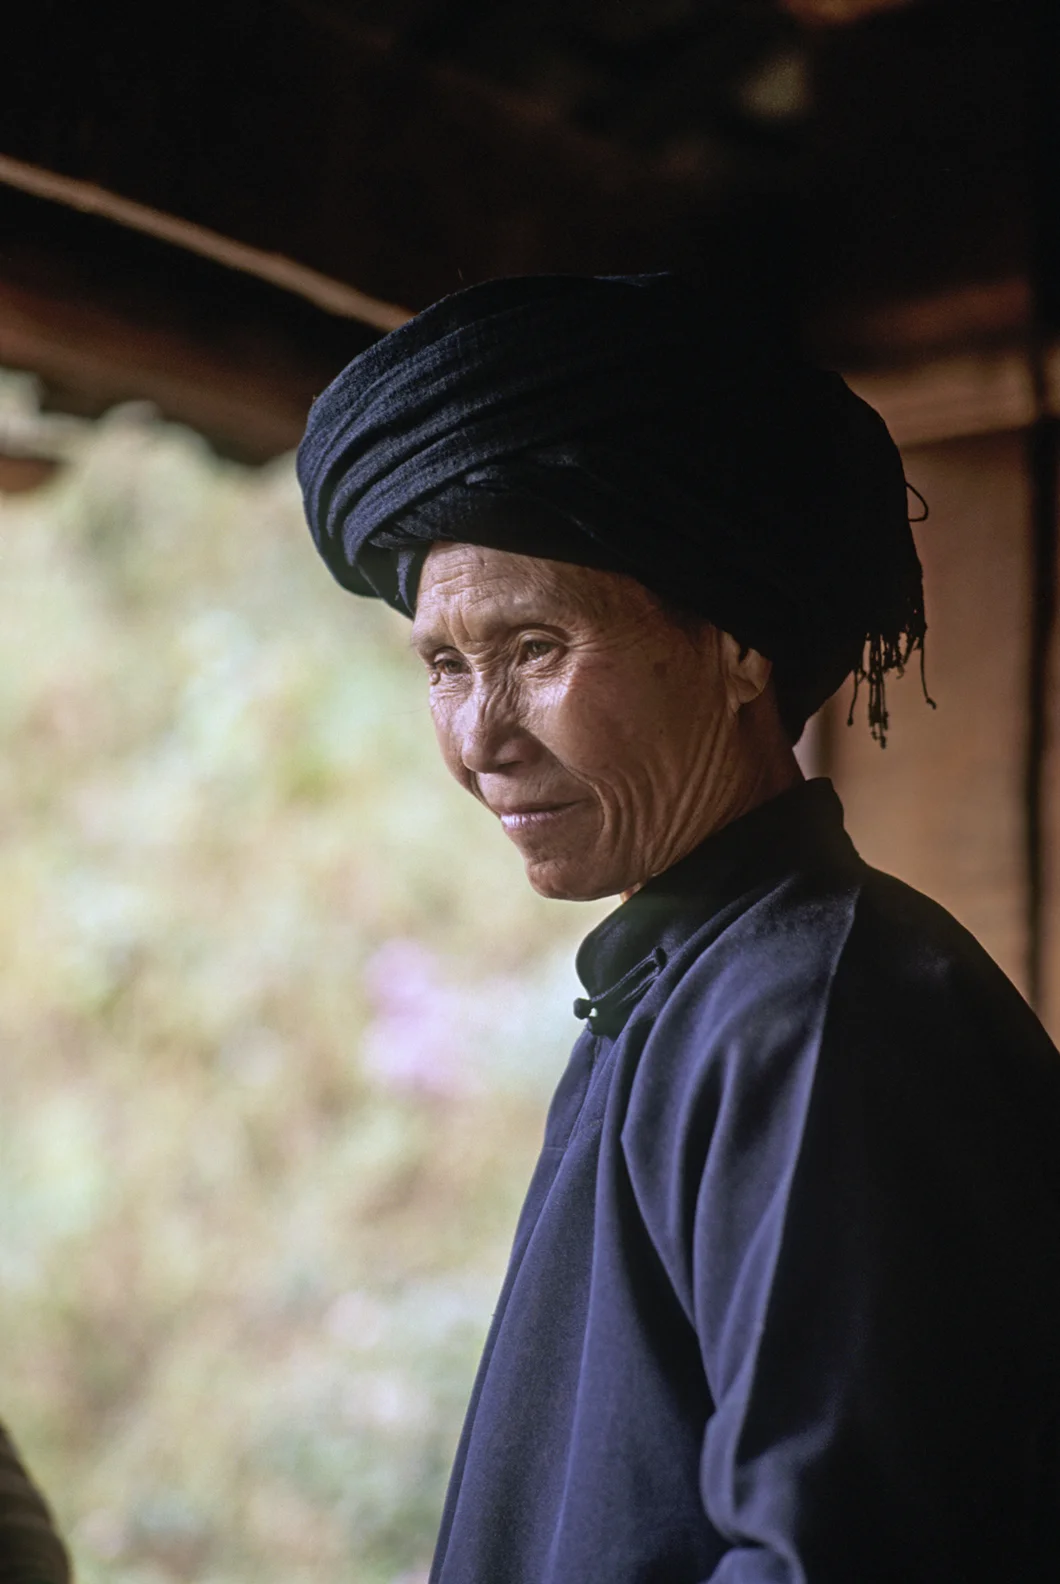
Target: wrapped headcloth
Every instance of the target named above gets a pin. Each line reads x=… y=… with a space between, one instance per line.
x=637 y=424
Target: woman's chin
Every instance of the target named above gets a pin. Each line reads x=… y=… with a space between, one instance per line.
x=572 y=877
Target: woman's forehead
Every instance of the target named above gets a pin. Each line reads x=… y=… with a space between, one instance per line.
x=476 y=584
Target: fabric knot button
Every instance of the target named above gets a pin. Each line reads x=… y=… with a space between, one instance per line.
x=606 y=1013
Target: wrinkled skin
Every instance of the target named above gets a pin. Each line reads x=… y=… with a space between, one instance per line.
x=608 y=737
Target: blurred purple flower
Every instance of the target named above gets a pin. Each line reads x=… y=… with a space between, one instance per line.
x=419 y=1037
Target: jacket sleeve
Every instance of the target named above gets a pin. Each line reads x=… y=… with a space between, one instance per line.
x=872 y=1273
x=30 y=1550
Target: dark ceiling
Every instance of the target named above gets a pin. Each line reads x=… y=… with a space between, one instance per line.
x=410 y=146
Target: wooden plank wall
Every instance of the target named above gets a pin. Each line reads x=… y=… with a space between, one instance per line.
x=943 y=805
x=1051 y=833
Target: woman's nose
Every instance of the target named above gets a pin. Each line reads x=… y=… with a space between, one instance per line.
x=491 y=736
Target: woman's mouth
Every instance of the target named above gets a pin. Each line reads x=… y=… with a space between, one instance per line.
x=533 y=817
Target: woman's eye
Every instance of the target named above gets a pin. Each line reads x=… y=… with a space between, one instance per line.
x=446 y=666
x=537 y=648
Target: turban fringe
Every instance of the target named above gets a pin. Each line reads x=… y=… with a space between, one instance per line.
x=620 y=422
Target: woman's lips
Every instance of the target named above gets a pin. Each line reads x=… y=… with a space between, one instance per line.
x=534 y=817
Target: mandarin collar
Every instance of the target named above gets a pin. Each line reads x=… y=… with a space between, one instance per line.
x=619 y=960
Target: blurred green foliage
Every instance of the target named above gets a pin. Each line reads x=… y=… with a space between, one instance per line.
x=279 y=1020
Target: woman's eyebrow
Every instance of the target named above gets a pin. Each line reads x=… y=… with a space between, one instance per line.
x=431 y=634
x=490 y=628
x=424 y=640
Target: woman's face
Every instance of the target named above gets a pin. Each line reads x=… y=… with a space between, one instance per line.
x=604 y=735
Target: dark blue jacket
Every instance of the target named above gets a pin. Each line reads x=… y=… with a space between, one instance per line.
x=784 y=1301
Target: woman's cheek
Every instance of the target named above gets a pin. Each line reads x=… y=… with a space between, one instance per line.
x=561 y=715
x=586 y=746
x=446 y=738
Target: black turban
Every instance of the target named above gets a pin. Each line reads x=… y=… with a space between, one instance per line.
x=637 y=424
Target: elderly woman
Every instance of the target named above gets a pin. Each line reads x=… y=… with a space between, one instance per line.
x=783 y=1303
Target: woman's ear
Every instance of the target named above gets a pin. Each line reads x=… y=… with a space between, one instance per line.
x=746 y=672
